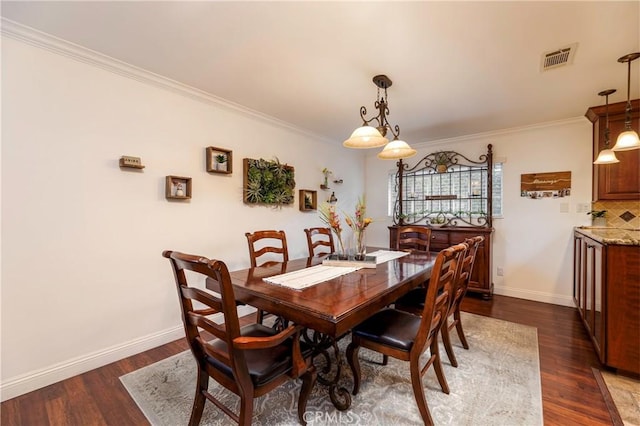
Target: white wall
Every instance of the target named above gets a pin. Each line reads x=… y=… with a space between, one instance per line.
x=533 y=242
x=83 y=280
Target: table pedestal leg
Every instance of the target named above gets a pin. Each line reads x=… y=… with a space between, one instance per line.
x=322 y=344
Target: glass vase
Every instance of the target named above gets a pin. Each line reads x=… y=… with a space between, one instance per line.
x=360 y=245
x=341 y=251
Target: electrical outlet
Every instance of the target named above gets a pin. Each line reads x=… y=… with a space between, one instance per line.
x=500 y=271
x=583 y=207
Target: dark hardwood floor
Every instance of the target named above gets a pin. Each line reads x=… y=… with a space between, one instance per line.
x=570 y=393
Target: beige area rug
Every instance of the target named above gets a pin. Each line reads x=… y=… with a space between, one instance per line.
x=622 y=396
x=497 y=383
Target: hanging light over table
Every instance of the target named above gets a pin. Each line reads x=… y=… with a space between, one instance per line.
x=368 y=136
x=606 y=156
x=628 y=139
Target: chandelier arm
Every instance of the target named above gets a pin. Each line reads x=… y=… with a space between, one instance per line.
x=395 y=131
x=365 y=122
x=363 y=113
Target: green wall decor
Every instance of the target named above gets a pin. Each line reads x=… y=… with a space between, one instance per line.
x=268 y=182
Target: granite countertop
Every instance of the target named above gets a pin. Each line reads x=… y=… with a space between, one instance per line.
x=619 y=236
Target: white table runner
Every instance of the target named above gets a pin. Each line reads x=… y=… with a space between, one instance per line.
x=383 y=256
x=307 y=277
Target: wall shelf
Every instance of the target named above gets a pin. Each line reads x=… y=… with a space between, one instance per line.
x=177 y=188
x=128 y=162
x=214 y=163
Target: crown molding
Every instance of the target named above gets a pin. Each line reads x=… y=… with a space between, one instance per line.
x=500 y=132
x=42 y=40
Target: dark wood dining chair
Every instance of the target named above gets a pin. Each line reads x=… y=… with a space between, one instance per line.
x=249 y=361
x=460 y=290
x=413 y=238
x=261 y=243
x=411 y=302
x=319 y=238
x=405 y=336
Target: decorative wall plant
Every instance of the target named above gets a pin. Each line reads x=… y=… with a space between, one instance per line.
x=268 y=182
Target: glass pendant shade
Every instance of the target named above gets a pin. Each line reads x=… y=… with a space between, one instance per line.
x=606 y=156
x=365 y=137
x=395 y=150
x=627 y=141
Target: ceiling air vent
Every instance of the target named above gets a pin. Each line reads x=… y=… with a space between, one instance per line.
x=559 y=57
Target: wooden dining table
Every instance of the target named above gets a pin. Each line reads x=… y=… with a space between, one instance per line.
x=331 y=308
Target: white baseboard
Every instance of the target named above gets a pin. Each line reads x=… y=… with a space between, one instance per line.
x=31 y=381
x=44 y=377
x=537 y=296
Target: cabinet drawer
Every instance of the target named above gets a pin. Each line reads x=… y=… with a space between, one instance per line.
x=440 y=238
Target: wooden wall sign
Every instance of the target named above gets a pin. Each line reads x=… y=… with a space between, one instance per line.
x=545 y=185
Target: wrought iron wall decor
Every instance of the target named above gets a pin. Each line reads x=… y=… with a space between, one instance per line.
x=268 y=182
x=445 y=188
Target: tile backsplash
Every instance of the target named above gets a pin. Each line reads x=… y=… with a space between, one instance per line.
x=620 y=214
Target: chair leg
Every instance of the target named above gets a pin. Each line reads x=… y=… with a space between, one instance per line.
x=246 y=410
x=259 y=316
x=463 y=339
x=437 y=366
x=446 y=339
x=385 y=359
x=308 y=380
x=199 y=400
x=354 y=363
x=418 y=392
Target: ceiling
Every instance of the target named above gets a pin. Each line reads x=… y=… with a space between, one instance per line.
x=458 y=68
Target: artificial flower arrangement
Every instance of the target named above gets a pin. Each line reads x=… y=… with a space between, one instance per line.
x=358 y=223
x=329 y=216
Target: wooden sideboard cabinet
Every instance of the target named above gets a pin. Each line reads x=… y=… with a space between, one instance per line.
x=606 y=290
x=441 y=238
x=619 y=181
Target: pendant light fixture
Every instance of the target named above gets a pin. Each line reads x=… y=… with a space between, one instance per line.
x=368 y=136
x=628 y=139
x=606 y=156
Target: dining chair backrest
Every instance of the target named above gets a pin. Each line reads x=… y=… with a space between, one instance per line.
x=248 y=361
x=466 y=269
x=263 y=242
x=413 y=238
x=459 y=291
x=439 y=293
x=194 y=320
x=321 y=239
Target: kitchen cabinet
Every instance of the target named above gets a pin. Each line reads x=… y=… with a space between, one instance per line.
x=443 y=237
x=619 y=181
x=606 y=291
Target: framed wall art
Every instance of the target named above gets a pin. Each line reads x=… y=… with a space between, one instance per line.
x=267 y=182
x=308 y=200
x=545 y=185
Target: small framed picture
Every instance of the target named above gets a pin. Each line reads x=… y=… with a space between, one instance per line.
x=308 y=200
